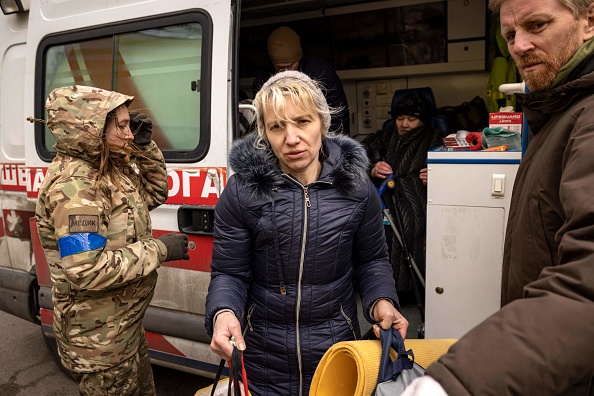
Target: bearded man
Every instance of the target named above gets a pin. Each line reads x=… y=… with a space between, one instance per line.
x=540 y=341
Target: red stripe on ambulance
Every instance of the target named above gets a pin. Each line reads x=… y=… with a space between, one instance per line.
x=13 y=177
x=199 y=249
x=192 y=186
x=198 y=186
x=157 y=342
x=47 y=316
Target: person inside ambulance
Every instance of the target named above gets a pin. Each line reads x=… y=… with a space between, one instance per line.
x=402 y=149
x=93 y=221
x=297 y=230
x=285 y=53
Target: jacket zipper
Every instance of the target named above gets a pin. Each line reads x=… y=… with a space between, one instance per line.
x=349 y=322
x=249 y=320
x=306 y=205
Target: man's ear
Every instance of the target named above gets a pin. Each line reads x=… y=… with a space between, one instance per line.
x=589 y=28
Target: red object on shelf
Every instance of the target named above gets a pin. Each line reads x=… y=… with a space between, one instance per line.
x=475 y=140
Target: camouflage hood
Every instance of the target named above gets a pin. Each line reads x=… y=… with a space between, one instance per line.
x=76 y=117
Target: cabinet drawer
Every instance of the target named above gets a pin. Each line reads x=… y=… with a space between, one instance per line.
x=466 y=51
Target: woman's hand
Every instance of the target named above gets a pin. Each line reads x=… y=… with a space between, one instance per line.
x=423 y=175
x=381 y=170
x=226 y=326
x=388 y=316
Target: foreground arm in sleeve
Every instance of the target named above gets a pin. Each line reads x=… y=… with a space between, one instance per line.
x=373 y=270
x=230 y=271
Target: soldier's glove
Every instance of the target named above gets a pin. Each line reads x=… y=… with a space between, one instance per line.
x=141 y=127
x=177 y=246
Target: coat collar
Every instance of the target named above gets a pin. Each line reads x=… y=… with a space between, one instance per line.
x=344 y=165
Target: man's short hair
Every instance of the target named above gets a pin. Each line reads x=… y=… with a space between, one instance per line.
x=577 y=7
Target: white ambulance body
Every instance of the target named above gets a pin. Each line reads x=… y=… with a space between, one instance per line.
x=186 y=61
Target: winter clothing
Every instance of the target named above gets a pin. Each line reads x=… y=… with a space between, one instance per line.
x=407 y=155
x=131 y=377
x=322 y=72
x=288 y=258
x=284 y=46
x=412 y=105
x=141 y=127
x=97 y=236
x=177 y=246
x=540 y=342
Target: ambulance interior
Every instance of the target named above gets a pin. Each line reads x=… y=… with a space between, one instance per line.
x=378 y=48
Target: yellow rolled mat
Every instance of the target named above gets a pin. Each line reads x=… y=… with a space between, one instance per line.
x=429 y=350
x=350 y=368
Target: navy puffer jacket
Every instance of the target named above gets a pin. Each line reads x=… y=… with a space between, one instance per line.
x=287 y=259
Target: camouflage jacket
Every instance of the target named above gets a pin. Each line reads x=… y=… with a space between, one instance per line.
x=100 y=294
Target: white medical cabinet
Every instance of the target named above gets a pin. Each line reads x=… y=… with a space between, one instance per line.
x=469 y=194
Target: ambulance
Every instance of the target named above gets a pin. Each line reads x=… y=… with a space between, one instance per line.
x=187 y=62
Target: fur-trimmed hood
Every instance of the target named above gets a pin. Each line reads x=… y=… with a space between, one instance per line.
x=344 y=165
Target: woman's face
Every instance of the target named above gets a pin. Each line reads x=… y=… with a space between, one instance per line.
x=118 y=135
x=405 y=123
x=297 y=141
x=117 y=132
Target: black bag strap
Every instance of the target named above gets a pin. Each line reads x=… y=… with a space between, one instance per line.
x=235 y=372
x=218 y=376
x=390 y=370
x=235 y=368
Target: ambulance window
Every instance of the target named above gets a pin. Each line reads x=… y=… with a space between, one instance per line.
x=165 y=67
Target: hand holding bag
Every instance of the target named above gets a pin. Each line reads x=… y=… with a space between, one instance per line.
x=395 y=375
x=232 y=385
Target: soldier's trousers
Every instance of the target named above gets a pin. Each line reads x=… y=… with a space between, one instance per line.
x=132 y=377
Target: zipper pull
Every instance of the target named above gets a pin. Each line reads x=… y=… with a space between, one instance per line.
x=307 y=202
x=249 y=320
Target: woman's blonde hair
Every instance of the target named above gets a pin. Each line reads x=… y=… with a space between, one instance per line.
x=305 y=93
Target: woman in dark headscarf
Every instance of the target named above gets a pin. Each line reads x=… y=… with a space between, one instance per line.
x=402 y=150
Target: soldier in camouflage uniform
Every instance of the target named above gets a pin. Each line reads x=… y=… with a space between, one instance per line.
x=93 y=220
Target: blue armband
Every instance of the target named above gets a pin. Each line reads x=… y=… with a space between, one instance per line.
x=78 y=243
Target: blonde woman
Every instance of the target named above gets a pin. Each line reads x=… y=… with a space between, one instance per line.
x=298 y=229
